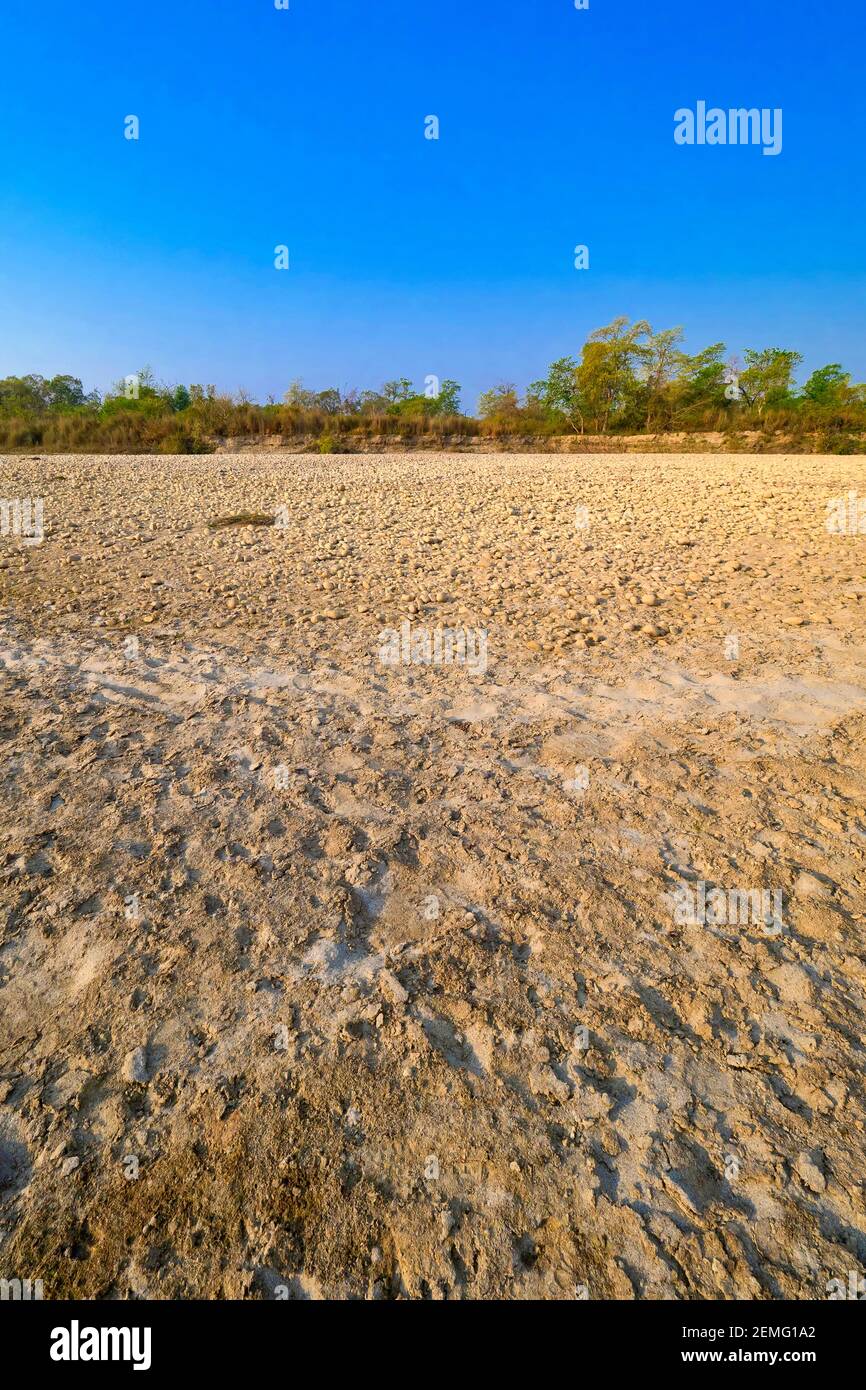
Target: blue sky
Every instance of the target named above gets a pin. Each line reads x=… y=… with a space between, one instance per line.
x=409 y=256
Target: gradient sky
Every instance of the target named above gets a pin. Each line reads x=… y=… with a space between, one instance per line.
x=409 y=256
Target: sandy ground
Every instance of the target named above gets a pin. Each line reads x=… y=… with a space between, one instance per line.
x=322 y=976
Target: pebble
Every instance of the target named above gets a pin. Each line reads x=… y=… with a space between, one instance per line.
x=135 y=1066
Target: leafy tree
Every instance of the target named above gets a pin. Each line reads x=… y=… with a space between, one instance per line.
x=448 y=400
x=145 y=397
x=606 y=375
x=23 y=395
x=373 y=403
x=500 y=402
x=659 y=362
x=400 y=398
x=328 y=402
x=768 y=377
x=298 y=396
x=699 y=381
x=398 y=392
x=558 y=392
x=828 y=385
x=67 y=393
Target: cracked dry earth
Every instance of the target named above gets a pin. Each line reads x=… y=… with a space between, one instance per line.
x=420 y=1021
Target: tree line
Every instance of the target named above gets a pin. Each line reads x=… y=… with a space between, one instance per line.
x=626 y=379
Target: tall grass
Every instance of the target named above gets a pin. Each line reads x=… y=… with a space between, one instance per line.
x=205 y=424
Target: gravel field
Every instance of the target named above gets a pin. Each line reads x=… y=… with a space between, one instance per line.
x=433 y=876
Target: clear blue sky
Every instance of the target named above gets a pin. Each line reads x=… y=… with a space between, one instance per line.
x=409 y=256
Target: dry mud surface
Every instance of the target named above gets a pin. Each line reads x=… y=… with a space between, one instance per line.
x=321 y=977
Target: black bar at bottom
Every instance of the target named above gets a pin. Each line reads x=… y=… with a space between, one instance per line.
x=258 y=1337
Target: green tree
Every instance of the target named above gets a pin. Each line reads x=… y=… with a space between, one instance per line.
x=828 y=385
x=658 y=365
x=769 y=377
x=400 y=398
x=699 y=381
x=66 y=393
x=607 y=380
x=558 y=394
x=398 y=392
x=139 y=394
x=329 y=401
x=23 y=395
x=448 y=400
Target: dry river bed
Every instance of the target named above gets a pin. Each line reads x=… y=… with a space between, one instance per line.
x=331 y=967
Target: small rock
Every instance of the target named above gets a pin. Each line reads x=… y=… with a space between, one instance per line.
x=807 y=1169
x=135 y=1066
x=392 y=985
